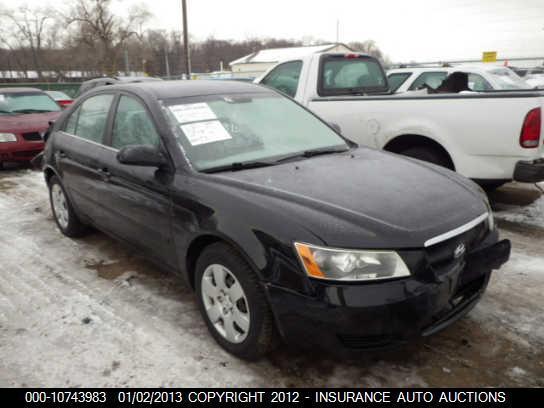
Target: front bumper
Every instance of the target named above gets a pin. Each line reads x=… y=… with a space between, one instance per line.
x=343 y=317
x=529 y=171
x=20 y=151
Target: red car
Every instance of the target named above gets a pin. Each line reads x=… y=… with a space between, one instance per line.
x=25 y=114
x=61 y=98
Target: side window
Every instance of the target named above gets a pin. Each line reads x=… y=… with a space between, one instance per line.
x=284 y=77
x=478 y=83
x=89 y=120
x=71 y=124
x=433 y=79
x=397 y=79
x=132 y=125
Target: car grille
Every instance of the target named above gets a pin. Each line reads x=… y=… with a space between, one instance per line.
x=32 y=136
x=441 y=256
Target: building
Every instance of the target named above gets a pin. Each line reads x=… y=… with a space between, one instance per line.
x=255 y=64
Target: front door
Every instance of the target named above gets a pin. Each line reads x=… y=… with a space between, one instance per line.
x=138 y=200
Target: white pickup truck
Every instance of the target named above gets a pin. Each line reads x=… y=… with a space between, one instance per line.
x=491 y=137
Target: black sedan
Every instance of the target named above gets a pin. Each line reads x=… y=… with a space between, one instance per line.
x=284 y=229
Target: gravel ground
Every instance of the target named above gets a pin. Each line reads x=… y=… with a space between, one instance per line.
x=88 y=312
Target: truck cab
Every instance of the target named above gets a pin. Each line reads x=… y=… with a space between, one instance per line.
x=490 y=136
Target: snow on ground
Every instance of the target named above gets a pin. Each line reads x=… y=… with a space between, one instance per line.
x=88 y=312
x=531 y=214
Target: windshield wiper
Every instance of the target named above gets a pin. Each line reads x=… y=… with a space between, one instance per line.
x=238 y=166
x=30 y=110
x=313 y=152
x=253 y=164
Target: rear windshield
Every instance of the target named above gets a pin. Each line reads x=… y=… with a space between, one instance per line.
x=351 y=74
x=27 y=102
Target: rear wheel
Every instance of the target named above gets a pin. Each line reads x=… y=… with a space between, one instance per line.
x=63 y=212
x=429 y=154
x=233 y=304
x=490 y=186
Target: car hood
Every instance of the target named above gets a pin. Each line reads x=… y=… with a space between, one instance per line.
x=365 y=197
x=31 y=122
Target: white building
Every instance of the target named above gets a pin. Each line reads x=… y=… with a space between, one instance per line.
x=253 y=65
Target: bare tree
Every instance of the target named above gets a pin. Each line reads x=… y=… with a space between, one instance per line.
x=98 y=28
x=369 y=47
x=26 y=28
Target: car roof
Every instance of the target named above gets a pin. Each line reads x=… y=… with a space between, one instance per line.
x=15 y=90
x=184 y=88
x=101 y=79
x=137 y=79
x=419 y=69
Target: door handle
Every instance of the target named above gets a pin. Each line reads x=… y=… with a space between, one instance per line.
x=62 y=155
x=104 y=173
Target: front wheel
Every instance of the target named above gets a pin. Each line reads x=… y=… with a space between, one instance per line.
x=233 y=304
x=63 y=212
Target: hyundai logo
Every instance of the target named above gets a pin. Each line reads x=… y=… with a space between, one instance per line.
x=459 y=250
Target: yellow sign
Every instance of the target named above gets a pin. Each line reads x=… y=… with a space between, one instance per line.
x=489 y=56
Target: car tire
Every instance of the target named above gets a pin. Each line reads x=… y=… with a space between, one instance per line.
x=228 y=292
x=491 y=186
x=428 y=154
x=63 y=211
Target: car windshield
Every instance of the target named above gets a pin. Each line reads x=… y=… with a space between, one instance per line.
x=226 y=130
x=27 y=102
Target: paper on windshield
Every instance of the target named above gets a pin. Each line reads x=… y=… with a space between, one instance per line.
x=200 y=133
x=192 y=112
x=2 y=98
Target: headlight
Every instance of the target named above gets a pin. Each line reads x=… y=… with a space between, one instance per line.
x=7 y=137
x=350 y=265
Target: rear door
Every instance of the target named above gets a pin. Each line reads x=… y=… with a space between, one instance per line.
x=137 y=198
x=79 y=149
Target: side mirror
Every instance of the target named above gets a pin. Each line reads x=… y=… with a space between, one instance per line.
x=141 y=155
x=336 y=127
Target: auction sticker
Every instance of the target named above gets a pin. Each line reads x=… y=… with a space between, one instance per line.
x=200 y=133
x=192 y=112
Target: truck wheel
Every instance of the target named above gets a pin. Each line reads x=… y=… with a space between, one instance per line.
x=490 y=186
x=63 y=212
x=429 y=154
x=233 y=304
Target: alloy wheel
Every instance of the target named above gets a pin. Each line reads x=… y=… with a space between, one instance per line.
x=225 y=303
x=60 y=205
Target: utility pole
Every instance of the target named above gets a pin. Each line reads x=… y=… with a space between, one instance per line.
x=127 y=65
x=166 y=62
x=337 y=31
x=186 y=40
